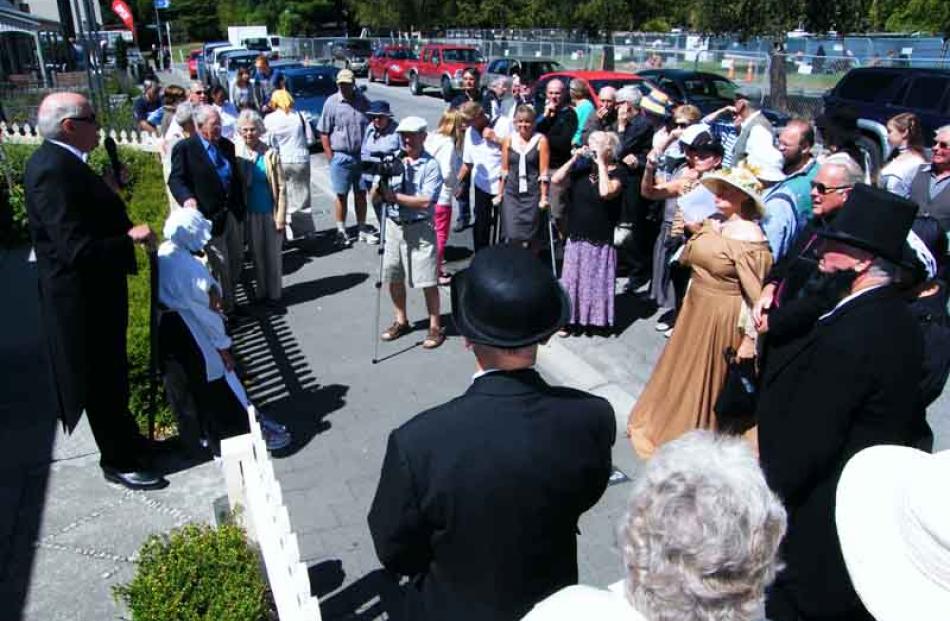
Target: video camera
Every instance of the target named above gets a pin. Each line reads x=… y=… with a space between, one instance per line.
x=385 y=164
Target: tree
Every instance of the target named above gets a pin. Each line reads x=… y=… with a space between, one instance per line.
x=197 y=18
x=773 y=19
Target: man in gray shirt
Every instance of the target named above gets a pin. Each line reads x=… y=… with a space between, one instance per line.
x=410 y=250
x=342 y=126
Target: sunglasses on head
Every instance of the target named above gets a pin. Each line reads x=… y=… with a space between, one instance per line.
x=821 y=188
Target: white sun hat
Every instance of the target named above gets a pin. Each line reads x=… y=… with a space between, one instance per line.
x=893 y=518
x=766 y=163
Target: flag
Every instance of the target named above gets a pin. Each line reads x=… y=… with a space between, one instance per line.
x=122 y=9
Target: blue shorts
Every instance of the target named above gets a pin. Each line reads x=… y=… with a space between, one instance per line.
x=345 y=173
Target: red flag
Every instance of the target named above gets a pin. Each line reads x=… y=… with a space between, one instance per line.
x=121 y=9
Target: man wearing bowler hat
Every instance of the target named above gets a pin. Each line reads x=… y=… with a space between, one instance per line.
x=849 y=383
x=479 y=498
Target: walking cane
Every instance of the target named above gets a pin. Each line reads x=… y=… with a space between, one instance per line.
x=153 y=339
x=551 y=240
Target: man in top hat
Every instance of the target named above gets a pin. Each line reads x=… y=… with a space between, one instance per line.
x=849 y=383
x=479 y=498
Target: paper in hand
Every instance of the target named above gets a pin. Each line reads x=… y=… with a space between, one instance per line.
x=697 y=205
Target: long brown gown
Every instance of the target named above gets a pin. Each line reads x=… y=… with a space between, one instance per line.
x=691 y=370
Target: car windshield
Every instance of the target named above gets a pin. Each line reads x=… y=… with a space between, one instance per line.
x=461 y=56
x=312 y=84
x=722 y=88
x=402 y=55
x=359 y=47
x=237 y=62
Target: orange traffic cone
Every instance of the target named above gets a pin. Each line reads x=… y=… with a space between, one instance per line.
x=732 y=70
x=748 y=72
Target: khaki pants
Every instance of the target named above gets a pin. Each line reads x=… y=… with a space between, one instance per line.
x=265 y=246
x=225 y=258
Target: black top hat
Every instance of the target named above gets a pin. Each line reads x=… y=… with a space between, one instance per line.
x=378 y=108
x=874 y=220
x=508 y=299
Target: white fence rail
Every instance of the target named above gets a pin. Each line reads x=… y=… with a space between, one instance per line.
x=249 y=475
x=28 y=134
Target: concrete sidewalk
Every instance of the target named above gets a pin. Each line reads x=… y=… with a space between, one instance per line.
x=66 y=535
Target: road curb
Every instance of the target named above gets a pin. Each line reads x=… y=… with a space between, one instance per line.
x=568 y=368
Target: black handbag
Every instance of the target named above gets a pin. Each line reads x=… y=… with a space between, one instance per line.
x=735 y=405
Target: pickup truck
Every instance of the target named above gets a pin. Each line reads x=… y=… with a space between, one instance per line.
x=441 y=66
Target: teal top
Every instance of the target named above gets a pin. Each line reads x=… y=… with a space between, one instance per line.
x=259 y=199
x=799 y=185
x=582 y=110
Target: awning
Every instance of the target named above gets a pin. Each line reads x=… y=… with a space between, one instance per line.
x=12 y=20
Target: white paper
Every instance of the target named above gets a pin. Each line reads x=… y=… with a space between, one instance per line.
x=697 y=205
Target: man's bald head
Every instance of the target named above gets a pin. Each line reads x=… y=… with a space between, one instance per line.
x=607 y=92
x=68 y=118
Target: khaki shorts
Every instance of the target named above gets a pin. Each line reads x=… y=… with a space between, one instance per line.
x=409 y=255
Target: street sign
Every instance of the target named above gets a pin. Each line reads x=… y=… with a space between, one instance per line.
x=162 y=4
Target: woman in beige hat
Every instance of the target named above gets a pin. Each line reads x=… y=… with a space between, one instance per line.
x=729 y=258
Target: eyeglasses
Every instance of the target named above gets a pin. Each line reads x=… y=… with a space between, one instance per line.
x=90 y=118
x=942 y=144
x=682 y=124
x=821 y=188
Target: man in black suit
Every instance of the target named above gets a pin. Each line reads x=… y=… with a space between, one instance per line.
x=479 y=498
x=558 y=122
x=84 y=245
x=205 y=176
x=849 y=383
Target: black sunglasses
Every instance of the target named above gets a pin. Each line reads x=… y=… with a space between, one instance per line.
x=821 y=188
x=91 y=118
x=942 y=144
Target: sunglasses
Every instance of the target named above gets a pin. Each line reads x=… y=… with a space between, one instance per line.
x=682 y=124
x=91 y=118
x=821 y=188
x=941 y=144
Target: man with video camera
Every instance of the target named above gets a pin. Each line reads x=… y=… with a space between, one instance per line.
x=408 y=189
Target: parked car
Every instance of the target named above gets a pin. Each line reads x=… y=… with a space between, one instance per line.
x=596 y=80
x=310 y=87
x=528 y=69
x=353 y=53
x=206 y=50
x=212 y=61
x=194 y=59
x=441 y=66
x=391 y=64
x=706 y=91
x=875 y=94
x=230 y=62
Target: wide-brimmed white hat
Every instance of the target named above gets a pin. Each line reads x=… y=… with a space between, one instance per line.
x=741 y=179
x=766 y=162
x=893 y=517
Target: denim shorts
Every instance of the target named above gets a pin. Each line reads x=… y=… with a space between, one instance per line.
x=345 y=173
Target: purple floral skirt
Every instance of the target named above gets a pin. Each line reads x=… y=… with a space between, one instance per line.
x=588 y=278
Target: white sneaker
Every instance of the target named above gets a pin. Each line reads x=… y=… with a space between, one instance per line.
x=369 y=236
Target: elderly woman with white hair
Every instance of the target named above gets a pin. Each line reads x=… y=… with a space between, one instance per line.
x=265 y=194
x=595 y=181
x=699 y=541
x=197 y=363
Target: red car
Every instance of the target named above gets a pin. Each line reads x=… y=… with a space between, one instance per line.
x=391 y=64
x=194 y=57
x=596 y=80
x=441 y=66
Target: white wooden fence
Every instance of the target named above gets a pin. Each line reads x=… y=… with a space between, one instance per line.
x=252 y=486
x=28 y=134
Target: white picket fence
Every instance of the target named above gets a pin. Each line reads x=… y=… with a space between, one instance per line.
x=28 y=134
x=253 y=488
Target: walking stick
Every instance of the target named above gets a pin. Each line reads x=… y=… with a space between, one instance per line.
x=551 y=240
x=153 y=339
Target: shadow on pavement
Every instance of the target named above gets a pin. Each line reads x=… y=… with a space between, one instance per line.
x=299 y=293
x=27 y=426
x=630 y=307
x=368 y=598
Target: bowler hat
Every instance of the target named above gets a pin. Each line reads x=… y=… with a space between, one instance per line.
x=378 y=108
x=508 y=299
x=874 y=220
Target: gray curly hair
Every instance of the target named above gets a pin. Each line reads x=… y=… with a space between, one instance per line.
x=700 y=539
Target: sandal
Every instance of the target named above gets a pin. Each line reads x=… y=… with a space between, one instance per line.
x=396 y=330
x=435 y=338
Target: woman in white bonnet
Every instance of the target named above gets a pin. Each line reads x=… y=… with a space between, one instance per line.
x=195 y=348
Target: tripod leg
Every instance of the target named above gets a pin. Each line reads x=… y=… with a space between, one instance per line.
x=551 y=240
x=379 y=282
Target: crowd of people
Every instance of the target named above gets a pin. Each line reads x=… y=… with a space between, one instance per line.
x=777 y=254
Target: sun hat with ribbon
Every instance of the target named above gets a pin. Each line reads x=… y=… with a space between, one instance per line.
x=656 y=102
x=893 y=518
x=741 y=179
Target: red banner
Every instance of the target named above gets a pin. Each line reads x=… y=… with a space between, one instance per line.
x=121 y=9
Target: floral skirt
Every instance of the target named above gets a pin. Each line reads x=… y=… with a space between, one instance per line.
x=588 y=278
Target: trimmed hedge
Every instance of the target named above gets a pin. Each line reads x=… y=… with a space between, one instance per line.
x=146 y=202
x=197 y=572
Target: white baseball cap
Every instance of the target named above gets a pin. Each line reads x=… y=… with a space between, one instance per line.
x=412 y=125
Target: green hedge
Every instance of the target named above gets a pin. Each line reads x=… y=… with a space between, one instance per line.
x=195 y=573
x=146 y=202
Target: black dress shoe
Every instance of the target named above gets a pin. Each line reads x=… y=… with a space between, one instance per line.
x=134 y=480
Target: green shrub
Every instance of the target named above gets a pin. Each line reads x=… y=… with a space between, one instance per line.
x=146 y=202
x=196 y=572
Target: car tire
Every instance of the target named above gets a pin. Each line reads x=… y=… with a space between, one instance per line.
x=873 y=150
x=386 y=78
x=447 y=92
x=414 y=87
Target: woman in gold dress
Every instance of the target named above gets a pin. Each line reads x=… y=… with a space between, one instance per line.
x=729 y=258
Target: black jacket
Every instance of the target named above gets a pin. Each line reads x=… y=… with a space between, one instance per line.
x=83 y=256
x=193 y=176
x=850 y=383
x=479 y=498
x=559 y=131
